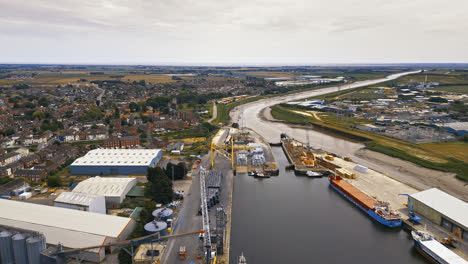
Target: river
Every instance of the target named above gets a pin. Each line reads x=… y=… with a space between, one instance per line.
x=295 y=219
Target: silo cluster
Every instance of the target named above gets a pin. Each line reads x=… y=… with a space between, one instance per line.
x=21 y=248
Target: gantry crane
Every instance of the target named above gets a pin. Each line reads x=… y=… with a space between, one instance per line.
x=221 y=149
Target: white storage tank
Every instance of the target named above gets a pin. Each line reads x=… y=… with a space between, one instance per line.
x=19 y=249
x=163 y=214
x=6 y=248
x=155 y=227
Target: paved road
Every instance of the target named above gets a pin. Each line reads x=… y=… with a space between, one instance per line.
x=215 y=113
x=188 y=219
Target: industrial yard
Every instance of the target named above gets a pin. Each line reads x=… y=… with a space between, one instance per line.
x=254 y=153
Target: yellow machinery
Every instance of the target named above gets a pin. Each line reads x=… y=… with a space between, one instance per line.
x=221 y=149
x=450 y=241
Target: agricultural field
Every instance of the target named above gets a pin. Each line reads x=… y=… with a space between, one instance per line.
x=461 y=89
x=441 y=77
x=159 y=78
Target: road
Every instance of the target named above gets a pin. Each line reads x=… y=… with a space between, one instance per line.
x=215 y=113
x=188 y=219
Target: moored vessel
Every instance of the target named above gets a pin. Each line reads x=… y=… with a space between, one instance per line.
x=434 y=251
x=379 y=211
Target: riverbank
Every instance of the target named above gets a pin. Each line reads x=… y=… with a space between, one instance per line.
x=405 y=171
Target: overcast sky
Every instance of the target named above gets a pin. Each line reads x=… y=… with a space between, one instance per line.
x=233 y=31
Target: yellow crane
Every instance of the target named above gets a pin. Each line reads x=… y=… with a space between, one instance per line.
x=221 y=149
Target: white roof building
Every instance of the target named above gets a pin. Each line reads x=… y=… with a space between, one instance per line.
x=113 y=189
x=118 y=157
x=81 y=201
x=71 y=228
x=449 y=207
x=116 y=161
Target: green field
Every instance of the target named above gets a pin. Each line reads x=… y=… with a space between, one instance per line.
x=461 y=89
x=448 y=156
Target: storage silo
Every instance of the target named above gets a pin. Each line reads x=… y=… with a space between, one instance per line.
x=155 y=227
x=6 y=249
x=163 y=214
x=19 y=249
x=34 y=246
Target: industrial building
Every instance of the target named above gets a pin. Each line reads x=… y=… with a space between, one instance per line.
x=442 y=209
x=71 y=228
x=114 y=190
x=82 y=202
x=116 y=161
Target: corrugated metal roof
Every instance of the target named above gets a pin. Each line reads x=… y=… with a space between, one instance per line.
x=447 y=205
x=75 y=227
x=105 y=186
x=76 y=198
x=117 y=157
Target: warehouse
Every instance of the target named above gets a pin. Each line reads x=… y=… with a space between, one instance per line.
x=71 y=228
x=116 y=161
x=442 y=209
x=114 y=190
x=82 y=202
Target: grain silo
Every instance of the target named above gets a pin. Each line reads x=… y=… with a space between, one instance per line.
x=34 y=246
x=6 y=248
x=19 y=248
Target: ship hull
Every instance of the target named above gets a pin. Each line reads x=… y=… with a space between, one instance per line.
x=421 y=251
x=394 y=223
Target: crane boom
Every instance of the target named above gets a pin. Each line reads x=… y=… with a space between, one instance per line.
x=205 y=216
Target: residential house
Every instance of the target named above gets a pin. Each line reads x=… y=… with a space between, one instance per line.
x=31 y=175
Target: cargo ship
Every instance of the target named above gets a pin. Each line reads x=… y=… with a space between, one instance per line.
x=378 y=210
x=434 y=251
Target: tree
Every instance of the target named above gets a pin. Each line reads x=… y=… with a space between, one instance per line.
x=54 y=181
x=94 y=126
x=235 y=125
x=158 y=187
x=43 y=102
x=179 y=171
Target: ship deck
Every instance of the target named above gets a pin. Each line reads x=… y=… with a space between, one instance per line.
x=443 y=252
x=355 y=194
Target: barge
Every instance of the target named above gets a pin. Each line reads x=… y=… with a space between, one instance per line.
x=302 y=159
x=377 y=210
x=434 y=251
